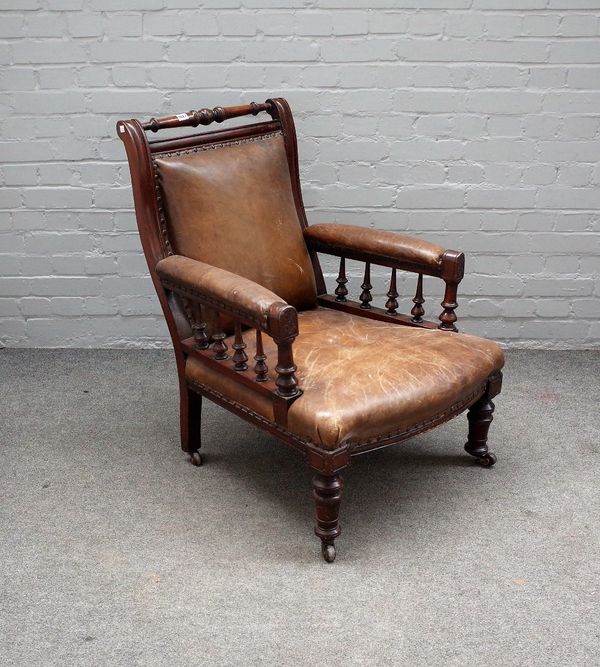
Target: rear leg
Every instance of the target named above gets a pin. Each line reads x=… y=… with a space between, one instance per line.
x=190 y=422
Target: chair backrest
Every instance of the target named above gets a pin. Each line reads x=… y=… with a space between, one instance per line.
x=230 y=198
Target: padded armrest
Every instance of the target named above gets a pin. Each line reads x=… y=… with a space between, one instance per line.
x=228 y=292
x=389 y=247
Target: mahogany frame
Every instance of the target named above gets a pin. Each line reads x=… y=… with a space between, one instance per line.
x=187 y=335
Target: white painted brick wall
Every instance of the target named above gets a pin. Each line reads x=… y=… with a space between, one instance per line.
x=474 y=123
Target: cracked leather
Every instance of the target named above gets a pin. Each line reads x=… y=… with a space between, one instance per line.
x=364 y=378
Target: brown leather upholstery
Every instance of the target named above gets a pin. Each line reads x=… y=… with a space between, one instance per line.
x=232 y=206
x=221 y=222
x=363 y=378
x=383 y=244
x=238 y=294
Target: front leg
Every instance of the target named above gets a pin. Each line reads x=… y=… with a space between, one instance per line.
x=327 y=492
x=480 y=416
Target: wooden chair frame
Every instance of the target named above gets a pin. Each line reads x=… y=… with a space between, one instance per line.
x=179 y=303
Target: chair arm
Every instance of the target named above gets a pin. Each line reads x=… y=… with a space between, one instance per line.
x=381 y=247
x=398 y=252
x=227 y=292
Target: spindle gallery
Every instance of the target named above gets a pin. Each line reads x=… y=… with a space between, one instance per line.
x=253 y=325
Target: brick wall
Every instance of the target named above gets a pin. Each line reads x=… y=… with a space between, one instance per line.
x=474 y=123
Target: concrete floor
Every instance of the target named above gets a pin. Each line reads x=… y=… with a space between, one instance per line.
x=116 y=551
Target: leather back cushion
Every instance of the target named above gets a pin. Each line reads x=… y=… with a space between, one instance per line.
x=232 y=206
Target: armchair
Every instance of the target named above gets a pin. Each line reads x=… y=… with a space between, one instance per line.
x=236 y=269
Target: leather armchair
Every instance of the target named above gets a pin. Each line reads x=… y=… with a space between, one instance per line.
x=254 y=329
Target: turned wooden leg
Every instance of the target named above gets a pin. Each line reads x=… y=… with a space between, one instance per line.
x=327 y=492
x=190 y=418
x=480 y=417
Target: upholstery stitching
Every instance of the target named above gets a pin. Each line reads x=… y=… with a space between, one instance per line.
x=248 y=411
x=420 y=427
x=427 y=423
x=221 y=144
x=161 y=211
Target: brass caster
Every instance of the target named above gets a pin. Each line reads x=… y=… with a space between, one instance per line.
x=487 y=460
x=196 y=458
x=328 y=551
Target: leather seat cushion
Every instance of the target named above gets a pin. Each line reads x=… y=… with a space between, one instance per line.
x=363 y=378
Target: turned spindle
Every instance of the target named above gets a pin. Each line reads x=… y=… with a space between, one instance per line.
x=287 y=382
x=453 y=270
x=200 y=336
x=340 y=291
x=260 y=368
x=219 y=345
x=391 y=304
x=239 y=356
x=417 y=310
x=205 y=116
x=448 y=316
x=366 y=296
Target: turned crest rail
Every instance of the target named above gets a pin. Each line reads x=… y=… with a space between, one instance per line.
x=205 y=116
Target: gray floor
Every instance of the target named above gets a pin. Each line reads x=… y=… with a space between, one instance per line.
x=115 y=551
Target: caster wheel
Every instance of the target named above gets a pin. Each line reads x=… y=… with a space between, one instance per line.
x=487 y=461
x=328 y=551
x=196 y=459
